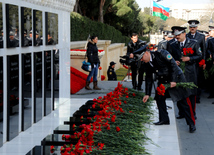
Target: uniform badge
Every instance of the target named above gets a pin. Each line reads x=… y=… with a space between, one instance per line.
x=169 y=56
x=110 y=73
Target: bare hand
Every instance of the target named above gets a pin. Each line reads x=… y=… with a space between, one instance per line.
x=178 y=63
x=131 y=55
x=184 y=59
x=145 y=98
x=172 y=84
x=204 y=66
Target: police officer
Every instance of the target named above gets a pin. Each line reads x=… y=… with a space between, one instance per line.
x=164 y=66
x=193 y=34
x=26 y=40
x=163 y=43
x=178 y=50
x=111 y=73
x=133 y=45
x=210 y=50
x=13 y=42
x=38 y=40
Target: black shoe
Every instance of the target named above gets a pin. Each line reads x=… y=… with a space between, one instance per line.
x=192 y=128
x=195 y=117
x=162 y=123
x=212 y=102
x=198 y=101
x=180 y=117
x=210 y=96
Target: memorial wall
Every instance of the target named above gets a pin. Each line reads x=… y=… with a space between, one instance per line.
x=34 y=57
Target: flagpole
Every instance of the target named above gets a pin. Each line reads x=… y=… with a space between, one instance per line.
x=151 y=7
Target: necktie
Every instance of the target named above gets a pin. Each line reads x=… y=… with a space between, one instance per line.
x=192 y=36
x=182 y=45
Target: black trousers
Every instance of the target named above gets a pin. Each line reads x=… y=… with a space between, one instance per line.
x=181 y=111
x=137 y=67
x=161 y=103
x=186 y=106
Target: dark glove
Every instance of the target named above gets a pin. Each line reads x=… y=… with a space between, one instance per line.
x=92 y=65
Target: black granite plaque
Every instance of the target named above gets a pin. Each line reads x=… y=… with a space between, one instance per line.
x=1 y=101
x=12 y=96
x=26 y=91
x=55 y=78
x=1 y=27
x=12 y=25
x=26 y=26
x=51 y=28
x=37 y=86
x=37 y=28
x=47 y=82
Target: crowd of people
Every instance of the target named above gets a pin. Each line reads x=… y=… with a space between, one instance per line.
x=179 y=57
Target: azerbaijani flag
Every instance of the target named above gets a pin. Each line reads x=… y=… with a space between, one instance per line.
x=160 y=11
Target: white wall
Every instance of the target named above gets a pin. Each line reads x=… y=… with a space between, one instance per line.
x=63 y=46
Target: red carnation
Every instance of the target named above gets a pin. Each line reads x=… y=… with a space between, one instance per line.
x=201 y=63
x=117 y=128
x=52 y=149
x=100 y=68
x=103 y=77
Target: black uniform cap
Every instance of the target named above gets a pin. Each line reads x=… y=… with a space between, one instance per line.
x=112 y=63
x=203 y=32
x=178 y=30
x=193 y=23
x=211 y=28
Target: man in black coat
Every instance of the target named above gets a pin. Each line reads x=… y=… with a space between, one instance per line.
x=193 y=34
x=111 y=73
x=186 y=53
x=164 y=66
x=210 y=51
x=163 y=43
x=133 y=45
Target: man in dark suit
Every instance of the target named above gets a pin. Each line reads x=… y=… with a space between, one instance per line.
x=136 y=66
x=186 y=60
x=193 y=34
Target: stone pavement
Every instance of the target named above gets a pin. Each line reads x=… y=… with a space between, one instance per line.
x=202 y=141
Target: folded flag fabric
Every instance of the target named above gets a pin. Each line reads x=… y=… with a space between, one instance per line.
x=160 y=11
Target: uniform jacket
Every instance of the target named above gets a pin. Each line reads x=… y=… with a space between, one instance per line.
x=111 y=74
x=169 y=42
x=133 y=47
x=92 y=53
x=201 y=41
x=162 y=44
x=190 y=66
x=166 y=69
x=210 y=47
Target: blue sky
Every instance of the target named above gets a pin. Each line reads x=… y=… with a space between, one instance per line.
x=146 y=3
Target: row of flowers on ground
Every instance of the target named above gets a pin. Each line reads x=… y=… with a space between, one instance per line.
x=117 y=128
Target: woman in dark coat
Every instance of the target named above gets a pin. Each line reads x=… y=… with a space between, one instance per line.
x=92 y=55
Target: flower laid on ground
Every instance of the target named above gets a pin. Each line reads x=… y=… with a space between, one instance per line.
x=52 y=149
x=103 y=77
x=161 y=89
x=117 y=128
